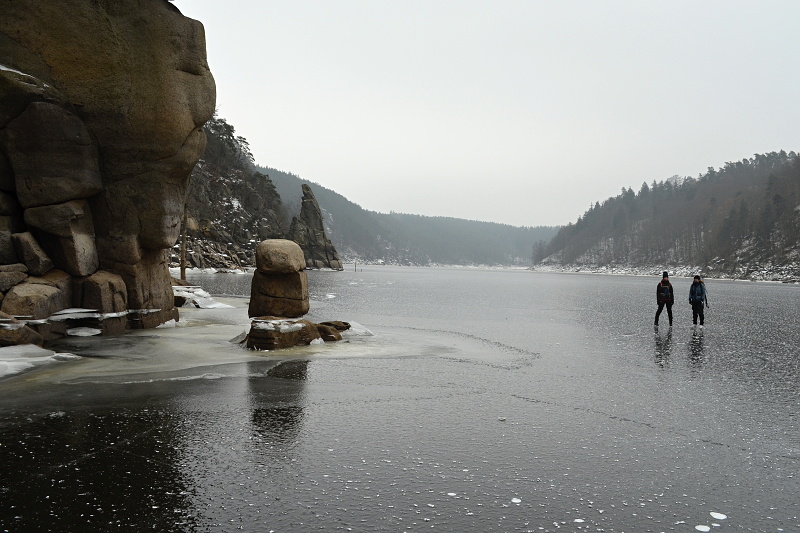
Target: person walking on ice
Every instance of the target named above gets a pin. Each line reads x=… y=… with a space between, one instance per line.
x=698 y=298
x=664 y=296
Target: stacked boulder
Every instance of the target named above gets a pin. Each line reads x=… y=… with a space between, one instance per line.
x=279 y=297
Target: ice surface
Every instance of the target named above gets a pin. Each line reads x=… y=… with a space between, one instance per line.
x=197 y=297
x=16 y=359
x=83 y=332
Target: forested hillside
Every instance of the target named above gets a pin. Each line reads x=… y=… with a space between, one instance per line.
x=401 y=238
x=741 y=221
x=233 y=205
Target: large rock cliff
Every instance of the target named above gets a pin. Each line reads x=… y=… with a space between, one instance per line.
x=101 y=112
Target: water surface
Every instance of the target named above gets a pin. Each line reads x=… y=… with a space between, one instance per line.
x=486 y=400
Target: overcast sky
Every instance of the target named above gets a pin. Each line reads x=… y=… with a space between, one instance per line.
x=519 y=112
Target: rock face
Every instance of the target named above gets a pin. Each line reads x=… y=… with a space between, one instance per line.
x=101 y=112
x=308 y=230
x=280 y=285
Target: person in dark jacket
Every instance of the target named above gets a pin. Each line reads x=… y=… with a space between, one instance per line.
x=698 y=298
x=664 y=296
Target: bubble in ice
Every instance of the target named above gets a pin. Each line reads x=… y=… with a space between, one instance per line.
x=516 y=500
x=718 y=516
x=702 y=528
x=579 y=520
x=451 y=493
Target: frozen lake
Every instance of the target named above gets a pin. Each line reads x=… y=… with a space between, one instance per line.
x=486 y=400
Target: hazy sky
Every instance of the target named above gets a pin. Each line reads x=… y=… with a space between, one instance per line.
x=519 y=112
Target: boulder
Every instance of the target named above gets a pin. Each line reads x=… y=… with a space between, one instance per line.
x=34 y=300
x=329 y=333
x=279 y=294
x=13 y=267
x=274 y=333
x=66 y=232
x=279 y=256
x=58 y=279
x=105 y=292
x=28 y=250
x=12 y=334
x=9 y=279
x=337 y=324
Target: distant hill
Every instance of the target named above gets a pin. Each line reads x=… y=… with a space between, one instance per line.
x=232 y=205
x=739 y=221
x=364 y=235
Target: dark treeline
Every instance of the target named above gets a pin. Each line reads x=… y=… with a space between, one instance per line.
x=731 y=221
x=230 y=203
x=360 y=234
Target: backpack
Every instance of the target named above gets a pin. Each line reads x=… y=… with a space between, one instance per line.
x=665 y=296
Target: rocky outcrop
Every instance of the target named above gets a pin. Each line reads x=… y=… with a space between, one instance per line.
x=101 y=112
x=308 y=230
x=279 y=296
x=280 y=285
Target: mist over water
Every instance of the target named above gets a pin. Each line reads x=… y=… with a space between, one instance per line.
x=484 y=400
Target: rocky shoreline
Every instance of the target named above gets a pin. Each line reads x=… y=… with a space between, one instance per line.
x=783 y=274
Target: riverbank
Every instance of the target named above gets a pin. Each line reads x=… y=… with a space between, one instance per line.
x=783 y=274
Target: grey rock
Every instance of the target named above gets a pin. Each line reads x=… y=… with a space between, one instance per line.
x=29 y=251
x=279 y=255
x=308 y=230
x=52 y=156
x=279 y=294
x=34 y=300
x=9 y=279
x=105 y=292
x=66 y=232
x=274 y=333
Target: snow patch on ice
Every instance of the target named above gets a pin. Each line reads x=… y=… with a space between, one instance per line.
x=17 y=359
x=197 y=297
x=282 y=326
